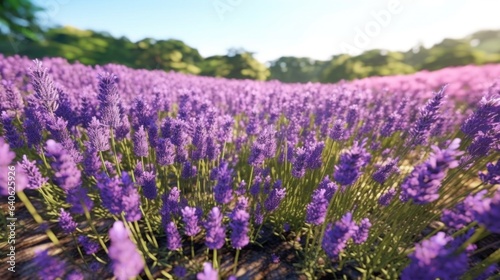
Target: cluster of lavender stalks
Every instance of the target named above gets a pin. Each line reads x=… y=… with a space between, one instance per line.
x=396 y=177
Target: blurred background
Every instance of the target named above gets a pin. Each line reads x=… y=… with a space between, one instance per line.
x=291 y=41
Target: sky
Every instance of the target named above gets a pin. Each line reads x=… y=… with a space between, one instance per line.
x=273 y=28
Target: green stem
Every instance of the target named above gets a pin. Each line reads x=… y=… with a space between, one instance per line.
x=37 y=216
x=236 y=262
x=216 y=264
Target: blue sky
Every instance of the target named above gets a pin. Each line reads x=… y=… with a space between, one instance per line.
x=274 y=28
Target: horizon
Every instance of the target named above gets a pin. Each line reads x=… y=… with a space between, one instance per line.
x=392 y=25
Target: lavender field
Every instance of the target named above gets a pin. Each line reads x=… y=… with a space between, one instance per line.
x=137 y=174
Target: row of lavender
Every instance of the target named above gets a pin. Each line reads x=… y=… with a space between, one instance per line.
x=355 y=171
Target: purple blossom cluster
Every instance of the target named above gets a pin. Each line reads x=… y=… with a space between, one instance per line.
x=422 y=185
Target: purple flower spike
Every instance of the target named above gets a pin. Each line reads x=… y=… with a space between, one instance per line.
x=363 y=231
x=35 y=179
x=428 y=115
x=386 y=170
x=89 y=246
x=423 y=184
x=223 y=190
x=435 y=258
x=385 y=198
x=67 y=175
x=98 y=135
x=46 y=94
x=191 y=221
x=316 y=209
x=216 y=232
x=126 y=259
x=109 y=99
x=487 y=212
x=463 y=213
x=165 y=152
x=173 y=237
x=208 y=273
x=239 y=226
x=275 y=197
x=336 y=237
x=180 y=272
x=66 y=222
x=493 y=175
x=48 y=267
x=149 y=185
x=349 y=168
x=141 y=148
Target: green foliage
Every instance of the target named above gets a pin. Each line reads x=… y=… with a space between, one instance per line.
x=237 y=64
x=296 y=69
x=18 y=19
x=90 y=47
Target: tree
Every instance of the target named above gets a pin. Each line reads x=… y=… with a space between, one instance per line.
x=18 y=19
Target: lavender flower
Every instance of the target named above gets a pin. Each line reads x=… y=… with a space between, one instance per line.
x=317 y=208
x=180 y=271
x=427 y=116
x=165 y=152
x=173 y=237
x=98 y=135
x=390 y=125
x=385 y=198
x=13 y=98
x=46 y=94
x=275 y=197
x=109 y=99
x=463 y=213
x=352 y=115
x=141 y=148
x=170 y=205
x=338 y=131
x=89 y=246
x=423 y=184
x=336 y=237
x=329 y=187
x=67 y=175
x=363 y=231
x=434 y=258
x=119 y=195
x=481 y=144
x=78 y=198
x=482 y=119
x=191 y=221
x=258 y=216
x=131 y=200
x=188 y=170
x=149 y=185
x=216 y=232
x=242 y=188
x=386 y=170
x=208 y=273
x=223 y=190
x=299 y=163
x=66 y=222
x=11 y=134
x=111 y=193
x=48 y=267
x=242 y=203
x=493 y=175
x=35 y=179
x=349 y=168
x=127 y=262
x=240 y=227
x=487 y=212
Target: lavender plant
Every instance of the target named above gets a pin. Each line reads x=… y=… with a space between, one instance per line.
x=154 y=173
